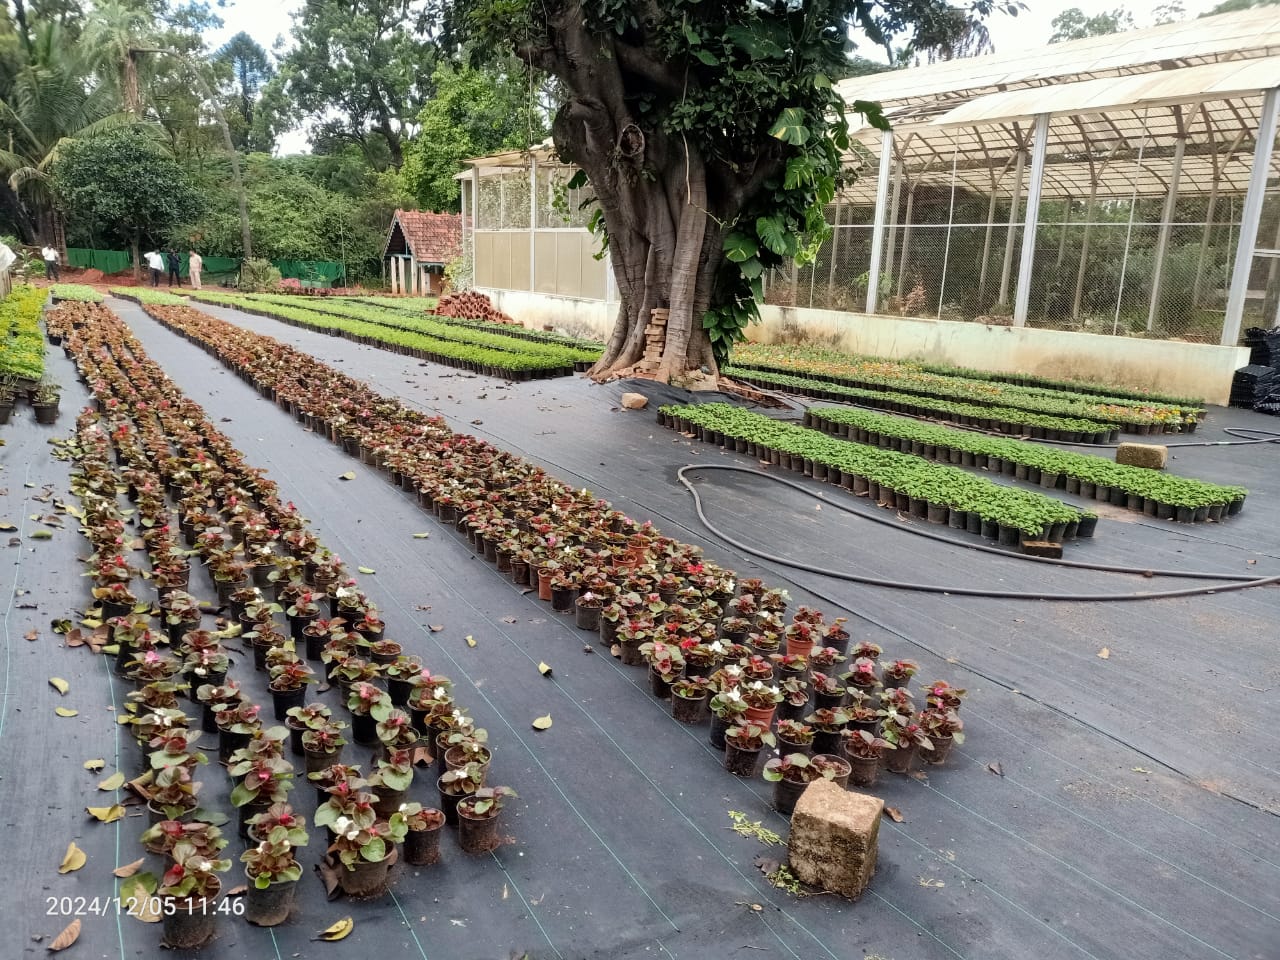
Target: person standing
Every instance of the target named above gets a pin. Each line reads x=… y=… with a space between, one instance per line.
x=171 y=256
x=195 y=263
x=51 y=262
x=155 y=263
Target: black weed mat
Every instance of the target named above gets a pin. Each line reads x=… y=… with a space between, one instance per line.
x=1062 y=828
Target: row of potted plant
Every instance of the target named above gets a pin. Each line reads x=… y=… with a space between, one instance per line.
x=1194 y=405
x=74 y=291
x=448 y=351
x=512 y=338
x=420 y=305
x=1154 y=492
x=940 y=494
x=1002 y=419
x=1140 y=416
x=655 y=598
x=230 y=511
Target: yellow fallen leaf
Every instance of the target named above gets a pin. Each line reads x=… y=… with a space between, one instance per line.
x=65 y=711
x=337 y=931
x=129 y=869
x=471 y=641
x=40 y=535
x=542 y=723
x=367 y=571
x=60 y=685
x=421 y=536
x=349 y=475
x=1104 y=654
x=69 y=935
x=73 y=860
x=544 y=669
x=107 y=814
x=113 y=782
x=94 y=765
x=136 y=897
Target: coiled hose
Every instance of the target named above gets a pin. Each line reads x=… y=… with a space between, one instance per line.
x=1224 y=582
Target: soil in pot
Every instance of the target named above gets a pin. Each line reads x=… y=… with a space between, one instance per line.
x=863 y=771
x=786 y=793
x=269 y=907
x=477 y=834
x=422 y=847
x=686 y=710
x=740 y=762
x=189 y=922
x=364 y=880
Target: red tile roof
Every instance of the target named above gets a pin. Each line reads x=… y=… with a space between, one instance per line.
x=432 y=237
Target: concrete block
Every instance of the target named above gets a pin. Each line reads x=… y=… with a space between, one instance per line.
x=834 y=838
x=1153 y=456
x=634 y=401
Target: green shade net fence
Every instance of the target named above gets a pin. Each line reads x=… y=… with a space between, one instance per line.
x=320 y=273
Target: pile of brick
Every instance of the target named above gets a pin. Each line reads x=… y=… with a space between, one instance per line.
x=655 y=340
x=470 y=305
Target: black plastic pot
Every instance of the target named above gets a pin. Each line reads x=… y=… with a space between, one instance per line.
x=688 y=711
x=477 y=834
x=364 y=729
x=283 y=700
x=718 y=728
x=189 y=923
x=740 y=762
x=422 y=847
x=786 y=793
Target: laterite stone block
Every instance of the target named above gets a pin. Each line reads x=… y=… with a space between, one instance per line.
x=835 y=834
x=1153 y=456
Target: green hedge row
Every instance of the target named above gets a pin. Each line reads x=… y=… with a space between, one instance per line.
x=1006 y=419
x=1053 y=469
x=451 y=353
x=956 y=492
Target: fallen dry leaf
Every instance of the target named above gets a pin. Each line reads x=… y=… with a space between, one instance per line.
x=106 y=814
x=367 y=571
x=544 y=669
x=421 y=536
x=995 y=768
x=32 y=635
x=542 y=723
x=56 y=682
x=129 y=869
x=113 y=782
x=1104 y=654
x=894 y=814
x=471 y=641
x=65 y=711
x=436 y=627
x=349 y=475
x=69 y=935
x=239 y=891
x=94 y=766
x=337 y=931
x=73 y=860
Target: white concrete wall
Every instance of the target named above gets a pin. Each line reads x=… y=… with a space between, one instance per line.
x=1166 y=366
x=580 y=317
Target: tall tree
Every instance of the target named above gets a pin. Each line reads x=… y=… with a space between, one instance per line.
x=1231 y=6
x=1074 y=24
x=711 y=135
x=473 y=112
x=45 y=104
x=360 y=69
x=250 y=68
x=116 y=39
x=126 y=185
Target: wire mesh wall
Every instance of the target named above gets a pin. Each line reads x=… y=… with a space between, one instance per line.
x=1138 y=222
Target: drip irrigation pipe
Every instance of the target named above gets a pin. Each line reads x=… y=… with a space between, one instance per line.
x=1226 y=582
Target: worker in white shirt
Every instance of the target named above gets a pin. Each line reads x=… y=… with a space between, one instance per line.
x=195 y=263
x=50 y=255
x=155 y=263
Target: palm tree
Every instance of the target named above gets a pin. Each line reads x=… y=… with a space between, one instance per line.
x=47 y=103
x=115 y=40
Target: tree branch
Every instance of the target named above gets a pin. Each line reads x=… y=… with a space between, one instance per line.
x=636 y=61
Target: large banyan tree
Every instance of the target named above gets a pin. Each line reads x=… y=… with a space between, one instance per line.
x=710 y=135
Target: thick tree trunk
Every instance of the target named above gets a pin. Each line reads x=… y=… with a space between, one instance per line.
x=137 y=259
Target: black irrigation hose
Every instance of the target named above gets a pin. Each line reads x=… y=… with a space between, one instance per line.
x=1229 y=582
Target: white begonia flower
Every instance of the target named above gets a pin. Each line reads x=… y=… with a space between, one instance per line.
x=716 y=646
x=457 y=715
x=439 y=693
x=403 y=807
x=733 y=670
x=341 y=824
x=775 y=690
x=735 y=694
x=166 y=721
x=203 y=865
x=756 y=685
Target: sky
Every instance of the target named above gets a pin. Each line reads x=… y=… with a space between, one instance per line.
x=265 y=21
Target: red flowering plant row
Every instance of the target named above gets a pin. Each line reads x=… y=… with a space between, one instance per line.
x=193 y=495
x=649 y=597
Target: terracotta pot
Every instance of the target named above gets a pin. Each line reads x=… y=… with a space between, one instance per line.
x=763 y=716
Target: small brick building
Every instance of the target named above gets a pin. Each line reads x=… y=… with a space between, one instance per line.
x=418 y=246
